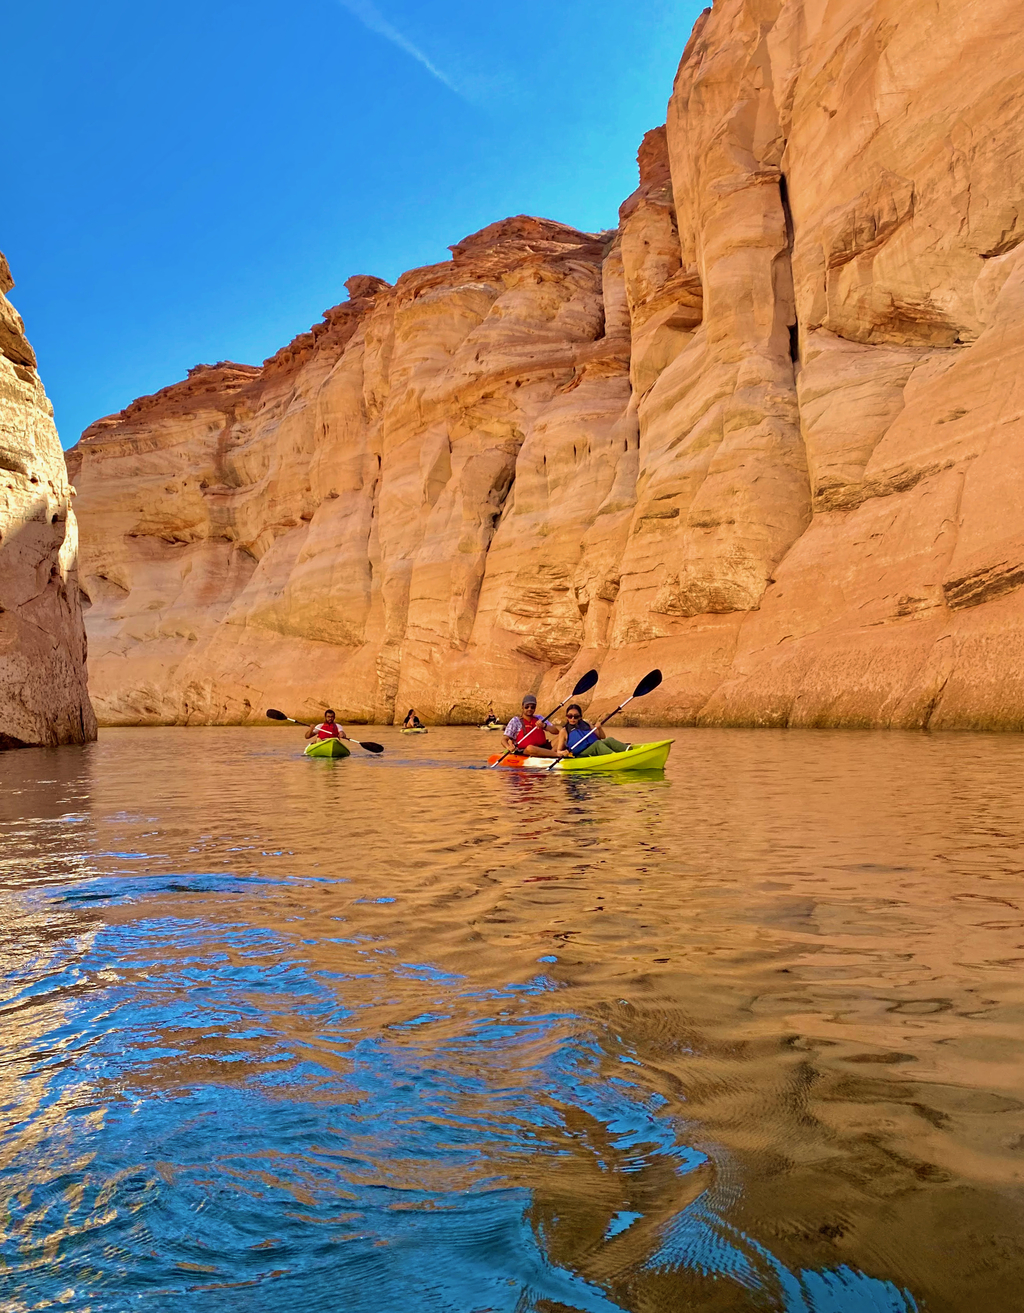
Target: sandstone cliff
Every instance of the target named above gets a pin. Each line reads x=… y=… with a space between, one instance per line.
x=768 y=434
x=42 y=640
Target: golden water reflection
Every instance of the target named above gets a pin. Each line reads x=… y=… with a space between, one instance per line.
x=404 y=1033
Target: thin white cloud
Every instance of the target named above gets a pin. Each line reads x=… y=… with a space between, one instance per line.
x=374 y=21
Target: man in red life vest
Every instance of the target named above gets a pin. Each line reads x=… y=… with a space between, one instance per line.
x=330 y=729
x=527 y=733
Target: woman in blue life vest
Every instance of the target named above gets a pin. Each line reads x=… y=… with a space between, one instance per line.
x=589 y=741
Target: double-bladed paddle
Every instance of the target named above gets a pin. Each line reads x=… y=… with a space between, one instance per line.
x=647 y=685
x=273 y=714
x=584 y=685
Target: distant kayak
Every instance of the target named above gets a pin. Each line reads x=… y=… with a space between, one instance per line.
x=499 y=728
x=422 y=729
x=640 y=756
x=327 y=748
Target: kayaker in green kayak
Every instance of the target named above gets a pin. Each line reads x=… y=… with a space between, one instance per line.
x=328 y=729
x=526 y=734
x=412 y=721
x=577 y=732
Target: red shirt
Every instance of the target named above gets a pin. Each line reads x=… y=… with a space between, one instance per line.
x=328 y=731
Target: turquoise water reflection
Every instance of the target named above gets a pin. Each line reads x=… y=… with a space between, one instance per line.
x=386 y=1176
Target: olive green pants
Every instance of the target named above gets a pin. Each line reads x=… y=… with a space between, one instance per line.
x=602 y=747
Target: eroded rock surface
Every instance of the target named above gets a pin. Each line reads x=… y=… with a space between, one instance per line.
x=43 y=698
x=767 y=434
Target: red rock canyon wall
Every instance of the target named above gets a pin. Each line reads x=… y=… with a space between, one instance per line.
x=768 y=434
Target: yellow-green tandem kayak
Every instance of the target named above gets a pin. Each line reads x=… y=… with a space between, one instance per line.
x=639 y=756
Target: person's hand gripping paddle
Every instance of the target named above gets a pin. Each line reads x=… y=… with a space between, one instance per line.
x=584 y=685
x=647 y=685
x=273 y=714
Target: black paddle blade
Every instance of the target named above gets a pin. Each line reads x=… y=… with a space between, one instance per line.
x=371 y=747
x=585 y=684
x=274 y=714
x=648 y=684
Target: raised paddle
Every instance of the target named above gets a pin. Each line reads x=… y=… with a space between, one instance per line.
x=273 y=714
x=647 y=685
x=584 y=685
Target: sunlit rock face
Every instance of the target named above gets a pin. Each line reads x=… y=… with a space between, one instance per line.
x=43 y=697
x=768 y=434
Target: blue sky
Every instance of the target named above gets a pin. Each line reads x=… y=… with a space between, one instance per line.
x=193 y=181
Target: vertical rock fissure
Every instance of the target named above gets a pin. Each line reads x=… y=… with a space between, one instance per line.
x=787 y=214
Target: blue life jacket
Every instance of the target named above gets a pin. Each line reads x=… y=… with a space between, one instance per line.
x=575 y=734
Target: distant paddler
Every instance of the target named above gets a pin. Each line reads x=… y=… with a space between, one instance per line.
x=327 y=729
x=590 y=740
x=527 y=733
x=412 y=723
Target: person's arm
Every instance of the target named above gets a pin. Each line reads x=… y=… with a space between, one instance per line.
x=341 y=733
x=311 y=731
x=512 y=730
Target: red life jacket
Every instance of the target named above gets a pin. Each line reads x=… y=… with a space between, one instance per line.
x=532 y=736
x=326 y=731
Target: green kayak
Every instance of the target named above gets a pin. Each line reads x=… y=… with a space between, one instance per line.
x=327 y=748
x=639 y=756
x=415 y=729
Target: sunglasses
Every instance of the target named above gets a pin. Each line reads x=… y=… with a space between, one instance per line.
x=574 y=715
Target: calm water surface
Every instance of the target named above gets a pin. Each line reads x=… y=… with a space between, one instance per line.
x=403 y=1036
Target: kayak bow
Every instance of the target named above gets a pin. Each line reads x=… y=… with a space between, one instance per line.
x=327 y=748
